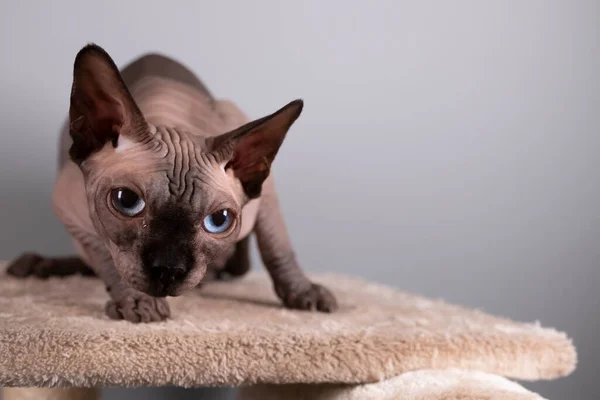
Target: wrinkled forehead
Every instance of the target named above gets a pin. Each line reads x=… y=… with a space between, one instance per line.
x=171 y=167
x=163 y=150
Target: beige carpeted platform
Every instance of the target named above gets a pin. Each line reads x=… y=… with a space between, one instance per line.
x=54 y=333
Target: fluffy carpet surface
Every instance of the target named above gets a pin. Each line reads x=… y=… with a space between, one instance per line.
x=55 y=333
x=448 y=384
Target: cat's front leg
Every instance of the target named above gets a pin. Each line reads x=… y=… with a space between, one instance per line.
x=126 y=303
x=290 y=283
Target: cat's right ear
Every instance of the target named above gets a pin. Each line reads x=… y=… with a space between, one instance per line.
x=251 y=149
x=102 y=107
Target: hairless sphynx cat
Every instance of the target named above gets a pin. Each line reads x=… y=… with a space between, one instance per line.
x=160 y=185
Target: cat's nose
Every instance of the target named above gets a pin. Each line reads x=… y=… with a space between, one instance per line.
x=166 y=274
x=166 y=266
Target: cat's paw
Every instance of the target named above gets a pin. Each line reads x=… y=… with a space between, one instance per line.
x=135 y=306
x=308 y=297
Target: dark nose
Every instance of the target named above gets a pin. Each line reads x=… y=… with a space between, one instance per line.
x=166 y=275
x=166 y=265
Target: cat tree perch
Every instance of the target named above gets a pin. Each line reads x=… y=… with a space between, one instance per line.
x=381 y=344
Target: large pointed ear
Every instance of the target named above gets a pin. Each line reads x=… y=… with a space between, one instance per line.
x=250 y=150
x=101 y=106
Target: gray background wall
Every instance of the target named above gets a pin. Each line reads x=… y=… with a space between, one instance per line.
x=447 y=148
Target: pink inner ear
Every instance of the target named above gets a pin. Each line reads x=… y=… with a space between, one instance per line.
x=105 y=113
x=253 y=154
x=108 y=116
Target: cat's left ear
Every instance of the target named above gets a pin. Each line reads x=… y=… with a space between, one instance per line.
x=101 y=109
x=250 y=150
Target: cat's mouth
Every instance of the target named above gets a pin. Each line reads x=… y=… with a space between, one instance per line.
x=170 y=284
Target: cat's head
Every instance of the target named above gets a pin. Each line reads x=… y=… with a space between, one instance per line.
x=165 y=202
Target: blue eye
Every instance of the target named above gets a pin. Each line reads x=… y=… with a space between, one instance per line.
x=218 y=222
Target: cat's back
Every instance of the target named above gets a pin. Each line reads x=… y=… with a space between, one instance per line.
x=158 y=65
x=170 y=94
